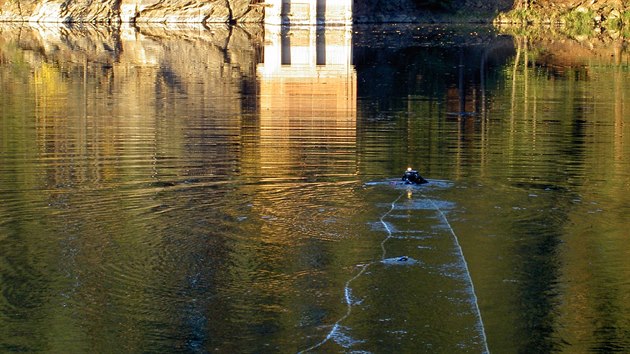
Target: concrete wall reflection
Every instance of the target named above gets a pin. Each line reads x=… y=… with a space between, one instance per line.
x=308 y=89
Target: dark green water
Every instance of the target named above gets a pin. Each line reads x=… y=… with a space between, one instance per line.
x=231 y=189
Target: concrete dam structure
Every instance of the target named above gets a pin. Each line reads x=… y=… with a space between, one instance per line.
x=308 y=12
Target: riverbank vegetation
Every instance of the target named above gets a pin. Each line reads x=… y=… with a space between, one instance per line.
x=573 y=19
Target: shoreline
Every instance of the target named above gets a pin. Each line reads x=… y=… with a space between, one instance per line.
x=576 y=20
x=605 y=19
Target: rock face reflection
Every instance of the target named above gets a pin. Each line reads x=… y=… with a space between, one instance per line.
x=110 y=115
x=136 y=78
x=148 y=123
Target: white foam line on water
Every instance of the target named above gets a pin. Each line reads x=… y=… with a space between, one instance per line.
x=346 y=290
x=336 y=325
x=389 y=231
x=482 y=328
x=348 y=297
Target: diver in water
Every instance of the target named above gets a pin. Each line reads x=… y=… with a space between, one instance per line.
x=412 y=176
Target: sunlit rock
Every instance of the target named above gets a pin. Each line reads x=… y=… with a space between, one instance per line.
x=58 y=11
x=189 y=11
x=127 y=11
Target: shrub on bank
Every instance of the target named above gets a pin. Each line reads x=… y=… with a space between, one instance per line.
x=579 y=20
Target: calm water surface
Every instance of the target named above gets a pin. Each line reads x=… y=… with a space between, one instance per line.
x=232 y=189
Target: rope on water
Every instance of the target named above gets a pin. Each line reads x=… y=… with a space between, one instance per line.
x=347 y=295
x=389 y=231
x=482 y=328
x=346 y=290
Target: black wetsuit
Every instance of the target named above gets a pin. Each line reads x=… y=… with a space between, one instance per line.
x=413 y=177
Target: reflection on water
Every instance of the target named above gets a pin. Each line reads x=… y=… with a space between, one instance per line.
x=202 y=189
x=307 y=102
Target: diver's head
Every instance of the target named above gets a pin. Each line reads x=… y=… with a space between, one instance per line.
x=412 y=176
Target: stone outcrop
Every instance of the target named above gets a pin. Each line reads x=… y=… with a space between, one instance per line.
x=410 y=11
x=57 y=11
x=365 y=11
x=225 y=11
x=385 y=11
x=116 y=11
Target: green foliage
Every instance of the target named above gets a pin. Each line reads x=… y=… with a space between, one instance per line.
x=625 y=20
x=613 y=24
x=525 y=16
x=579 y=22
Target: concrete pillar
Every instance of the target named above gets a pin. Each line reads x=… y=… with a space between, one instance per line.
x=309 y=12
x=273 y=11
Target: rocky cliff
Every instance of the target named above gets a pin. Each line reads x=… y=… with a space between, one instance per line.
x=229 y=11
x=409 y=11
x=115 y=11
x=223 y=11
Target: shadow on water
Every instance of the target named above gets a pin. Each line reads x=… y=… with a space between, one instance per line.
x=448 y=64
